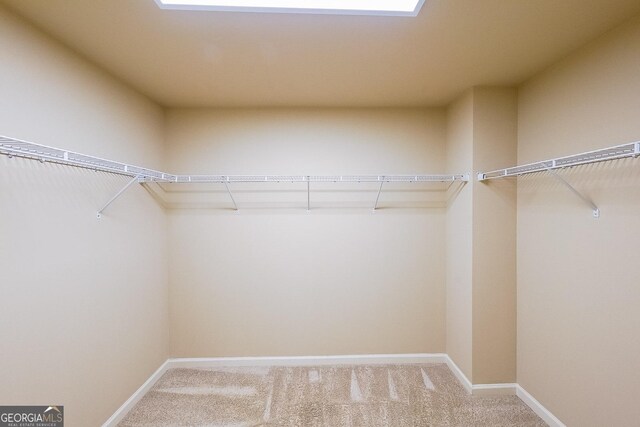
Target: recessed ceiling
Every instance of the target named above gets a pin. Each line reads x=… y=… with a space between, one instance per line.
x=224 y=59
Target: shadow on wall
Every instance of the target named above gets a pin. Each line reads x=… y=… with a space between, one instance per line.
x=287 y=195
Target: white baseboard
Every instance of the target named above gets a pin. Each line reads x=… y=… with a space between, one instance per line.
x=459 y=375
x=501 y=389
x=360 y=359
x=135 y=397
x=480 y=389
x=537 y=407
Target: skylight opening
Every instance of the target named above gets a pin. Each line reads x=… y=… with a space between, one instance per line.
x=337 y=7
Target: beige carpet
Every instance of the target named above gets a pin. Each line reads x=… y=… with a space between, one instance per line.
x=392 y=395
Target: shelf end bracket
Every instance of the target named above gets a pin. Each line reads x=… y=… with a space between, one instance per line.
x=308 y=194
x=226 y=184
x=375 y=206
x=137 y=178
x=585 y=199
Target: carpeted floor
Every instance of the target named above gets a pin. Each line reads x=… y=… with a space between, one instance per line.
x=335 y=396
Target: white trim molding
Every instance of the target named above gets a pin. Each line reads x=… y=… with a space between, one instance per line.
x=135 y=397
x=362 y=359
x=505 y=389
x=459 y=375
x=494 y=389
x=480 y=389
x=537 y=407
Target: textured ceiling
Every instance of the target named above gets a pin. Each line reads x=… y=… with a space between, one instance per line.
x=188 y=59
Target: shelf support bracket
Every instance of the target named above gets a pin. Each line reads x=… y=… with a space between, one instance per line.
x=226 y=184
x=585 y=199
x=375 y=206
x=118 y=194
x=308 y=194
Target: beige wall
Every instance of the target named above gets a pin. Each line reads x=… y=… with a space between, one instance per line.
x=459 y=244
x=578 y=293
x=271 y=280
x=481 y=237
x=83 y=305
x=494 y=237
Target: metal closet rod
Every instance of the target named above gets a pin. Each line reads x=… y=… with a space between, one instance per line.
x=15 y=147
x=631 y=149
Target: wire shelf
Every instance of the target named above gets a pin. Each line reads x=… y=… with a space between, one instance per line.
x=19 y=148
x=43 y=153
x=318 y=178
x=610 y=153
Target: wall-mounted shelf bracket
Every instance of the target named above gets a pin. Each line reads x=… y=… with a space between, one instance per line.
x=308 y=194
x=137 y=178
x=589 y=202
x=226 y=184
x=375 y=206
